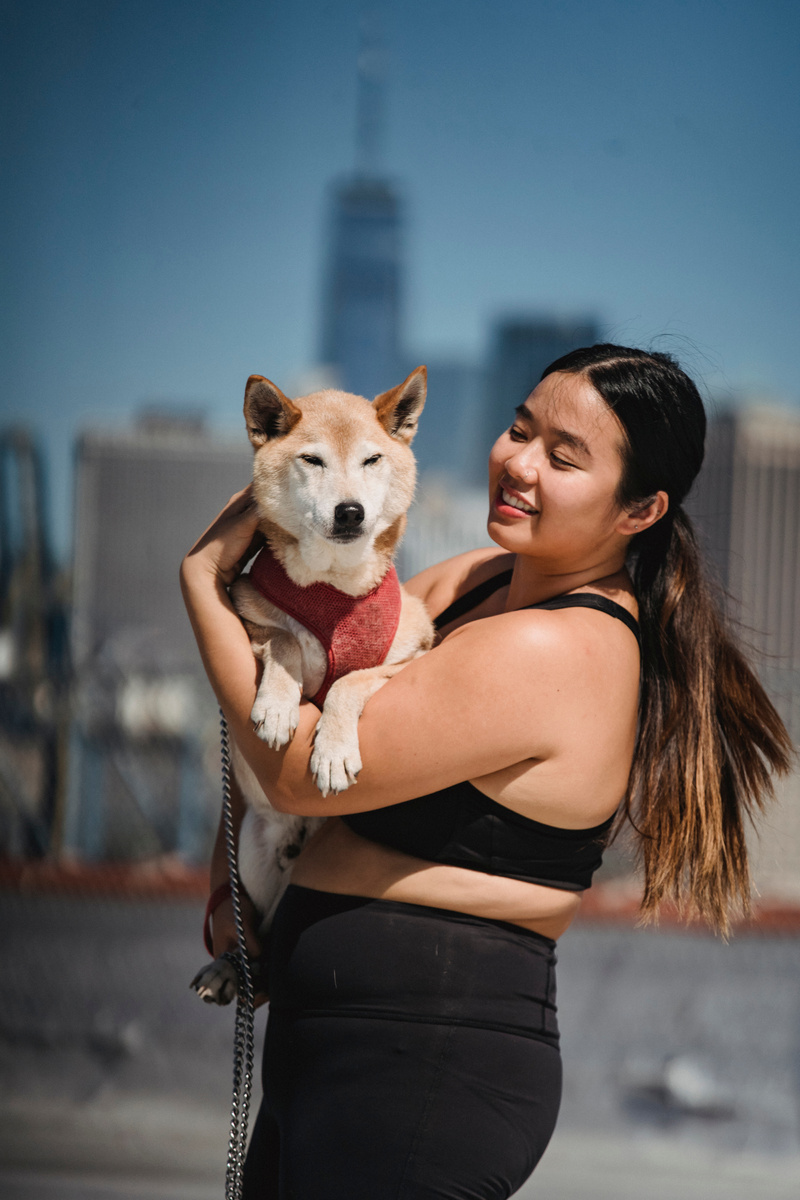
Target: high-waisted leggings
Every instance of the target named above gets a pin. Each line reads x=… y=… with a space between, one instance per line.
x=411 y=1053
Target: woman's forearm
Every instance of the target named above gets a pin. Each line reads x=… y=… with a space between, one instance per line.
x=234 y=672
x=427 y=728
x=222 y=640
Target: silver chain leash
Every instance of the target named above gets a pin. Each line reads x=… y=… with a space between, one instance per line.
x=243 y=1037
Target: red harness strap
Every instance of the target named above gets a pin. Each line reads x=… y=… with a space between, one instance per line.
x=356 y=631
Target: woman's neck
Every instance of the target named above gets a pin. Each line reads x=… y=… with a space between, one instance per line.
x=531 y=583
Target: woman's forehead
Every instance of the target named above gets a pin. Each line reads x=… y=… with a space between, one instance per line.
x=571 y=404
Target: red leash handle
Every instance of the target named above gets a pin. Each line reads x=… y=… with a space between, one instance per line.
x=223 y=892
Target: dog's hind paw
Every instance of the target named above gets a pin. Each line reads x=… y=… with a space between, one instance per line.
x=216 y=983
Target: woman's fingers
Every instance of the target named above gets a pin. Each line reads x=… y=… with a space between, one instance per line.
x=231 y=539
x=240 y=501
x=225 y=939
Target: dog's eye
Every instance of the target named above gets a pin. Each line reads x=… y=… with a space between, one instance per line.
x=313 y=460
x=373 y=459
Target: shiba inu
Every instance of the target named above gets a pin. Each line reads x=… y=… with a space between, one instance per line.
x=333 y=478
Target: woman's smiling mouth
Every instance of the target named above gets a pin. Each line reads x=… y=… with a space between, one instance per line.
x=514 y=501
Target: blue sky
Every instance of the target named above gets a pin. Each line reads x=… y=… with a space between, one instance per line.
x=167 y=165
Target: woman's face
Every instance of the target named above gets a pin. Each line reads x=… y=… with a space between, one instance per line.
x=553 y=477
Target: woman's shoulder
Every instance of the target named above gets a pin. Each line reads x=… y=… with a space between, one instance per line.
x=439 y=585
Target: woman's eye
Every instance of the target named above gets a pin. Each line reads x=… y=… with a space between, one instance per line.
x=313 y=460
x=516 y=434
x=373 y=459
x=559 y=462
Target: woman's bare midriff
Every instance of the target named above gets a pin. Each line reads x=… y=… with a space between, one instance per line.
x=339 y=860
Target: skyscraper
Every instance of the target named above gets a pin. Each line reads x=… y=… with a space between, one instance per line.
x=362 y=302
x=144 y=724
x=142 y=494
x=362 y=295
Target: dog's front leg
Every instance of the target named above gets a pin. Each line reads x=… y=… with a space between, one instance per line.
x=276 y=710
x=336 y=759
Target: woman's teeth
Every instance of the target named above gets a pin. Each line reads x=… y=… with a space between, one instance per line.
x=515 y=502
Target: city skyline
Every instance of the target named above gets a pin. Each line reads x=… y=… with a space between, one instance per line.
x=164 y=223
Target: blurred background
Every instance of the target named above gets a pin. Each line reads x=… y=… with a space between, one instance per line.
x=329 y=193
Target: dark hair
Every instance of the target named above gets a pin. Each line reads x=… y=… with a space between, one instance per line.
x=709 y=737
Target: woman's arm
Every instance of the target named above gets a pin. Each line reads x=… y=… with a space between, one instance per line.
x=488 y=697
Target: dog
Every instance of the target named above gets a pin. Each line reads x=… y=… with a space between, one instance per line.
x=333 y=478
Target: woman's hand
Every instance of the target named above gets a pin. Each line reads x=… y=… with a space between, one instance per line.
x=224 y=938
x=230 y=541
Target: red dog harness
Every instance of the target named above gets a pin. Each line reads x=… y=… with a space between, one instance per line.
x=356 y=631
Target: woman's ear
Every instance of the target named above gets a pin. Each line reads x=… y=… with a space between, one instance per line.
x=644 y=515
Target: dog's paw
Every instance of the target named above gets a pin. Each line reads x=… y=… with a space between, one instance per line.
x=217 y=983
x=335 y=764
x=274 y=720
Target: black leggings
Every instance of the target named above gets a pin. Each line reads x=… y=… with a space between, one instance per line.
x=411 y=1054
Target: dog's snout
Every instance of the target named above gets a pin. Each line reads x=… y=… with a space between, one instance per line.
x=349 y=514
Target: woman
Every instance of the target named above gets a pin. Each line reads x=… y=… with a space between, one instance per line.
x=583 y=671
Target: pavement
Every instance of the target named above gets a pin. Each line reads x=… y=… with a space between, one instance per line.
x=681 y=1053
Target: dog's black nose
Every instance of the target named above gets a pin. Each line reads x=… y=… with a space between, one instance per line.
x=349 y=514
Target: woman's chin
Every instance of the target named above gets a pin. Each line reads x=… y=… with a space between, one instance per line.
x=495 y=534
x=509 y=534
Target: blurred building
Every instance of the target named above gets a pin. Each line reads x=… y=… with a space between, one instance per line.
x=362 y=293
x=446 y=519
x=142 y=496
x=34 y=664
x=521 y=349
x=747 y=505
x=145 y=719
x=450 y=439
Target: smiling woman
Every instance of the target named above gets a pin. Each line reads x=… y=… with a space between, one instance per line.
x=582 y=676
x=551 y=489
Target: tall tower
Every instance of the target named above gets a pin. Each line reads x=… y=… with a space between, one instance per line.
x=361 y=314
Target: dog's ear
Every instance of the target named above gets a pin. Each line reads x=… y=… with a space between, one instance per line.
x=398 y=410
x=267 y=412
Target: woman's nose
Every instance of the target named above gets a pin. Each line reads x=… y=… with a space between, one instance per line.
x=520 y=467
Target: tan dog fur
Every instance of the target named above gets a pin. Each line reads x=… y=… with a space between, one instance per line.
x=311 y=455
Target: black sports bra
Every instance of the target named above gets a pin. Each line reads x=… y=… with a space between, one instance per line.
x=476 y=595
x=462 y=827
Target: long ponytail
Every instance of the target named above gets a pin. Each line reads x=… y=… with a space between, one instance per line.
x=709 y=738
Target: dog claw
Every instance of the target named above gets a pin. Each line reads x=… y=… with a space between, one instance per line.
x=275 y=727
x=216 y=983
x=334 y=773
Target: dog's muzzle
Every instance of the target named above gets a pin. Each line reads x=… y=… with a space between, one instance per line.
x=348 y=518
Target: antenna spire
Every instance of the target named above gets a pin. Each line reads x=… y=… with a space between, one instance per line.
x=369 y=116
